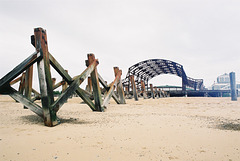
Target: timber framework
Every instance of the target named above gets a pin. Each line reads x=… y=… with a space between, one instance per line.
x=49 y=107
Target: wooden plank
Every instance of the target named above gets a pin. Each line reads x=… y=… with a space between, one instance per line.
x=120 y=86
x=134 y=89
x=95 y=83
x=31 y=106
x=15 y=80
x=104 y=84
x=111 y=90
x=70 y=90
x=28 y=83
x=19 y=69
x=45 y=80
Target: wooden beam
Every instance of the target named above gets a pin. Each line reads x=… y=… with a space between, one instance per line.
x=143 y=89
x=37 y=95
x=22 y=84
x=19 y=69
x=60 y=69
x=96 y=88
x=85 y=98
x=111 y=90
x=74 y=85
x=53 y=82
x=134 y=89
x=64 y=86
x=29 y=104
x=104 y=84
x=90 y=84
x=81 y=93
x=65 y=95
x=15 y=80
x=45 y=80
x=28 y=83
x=120 y=86
x=58 y=84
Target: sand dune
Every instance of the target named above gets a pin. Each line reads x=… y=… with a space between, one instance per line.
x=161 y=129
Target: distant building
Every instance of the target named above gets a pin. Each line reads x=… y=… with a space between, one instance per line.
x=223 y=83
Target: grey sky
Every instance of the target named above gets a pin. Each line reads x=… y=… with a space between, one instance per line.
x=202 y=35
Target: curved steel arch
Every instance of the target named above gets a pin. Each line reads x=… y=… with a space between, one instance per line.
x=151 y=68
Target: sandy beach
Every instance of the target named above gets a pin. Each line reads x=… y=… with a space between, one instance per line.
x=188 y=129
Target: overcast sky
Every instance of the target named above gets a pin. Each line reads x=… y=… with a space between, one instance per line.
x=201 y=35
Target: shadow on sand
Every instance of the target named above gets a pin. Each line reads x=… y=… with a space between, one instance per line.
x=34 y=119
x=229 y=126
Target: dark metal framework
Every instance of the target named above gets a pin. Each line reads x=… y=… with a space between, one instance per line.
x=151 y=68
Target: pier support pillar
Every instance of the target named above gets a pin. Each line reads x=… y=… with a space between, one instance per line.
x=233 y=86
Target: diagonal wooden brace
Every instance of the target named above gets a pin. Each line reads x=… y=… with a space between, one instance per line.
x=82 y=93
x=73 y=86
x=111 y=90
x=29 y=104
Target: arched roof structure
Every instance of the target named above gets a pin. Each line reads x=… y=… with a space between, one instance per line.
x=151 y=68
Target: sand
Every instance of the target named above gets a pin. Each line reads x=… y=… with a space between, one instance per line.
x=162 y=129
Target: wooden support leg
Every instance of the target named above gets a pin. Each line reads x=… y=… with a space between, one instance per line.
x=64 y=86
x=105 y=85
x=45 y=80
x=53 y=82
x=28 y=83
x=89 y=85
x=143 y=89
x=134 y=89
x=127 y=92
x=96 y=87
x=120 y=86
x=22 y=84
x=152 y=92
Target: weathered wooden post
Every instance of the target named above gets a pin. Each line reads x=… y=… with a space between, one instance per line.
x=22 y=84
x=119 y=86
x=95 y=84
x=233 y=86
x=45 y=80
x=89 y=85
x=64 y=86
x=143 y=89
x=126 y=91
x=28 y=83
x=53 y=82
x=156 y=92
x=134 y=89
x=152 y=92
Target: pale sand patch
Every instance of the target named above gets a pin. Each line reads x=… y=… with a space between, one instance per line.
x=161 y=129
